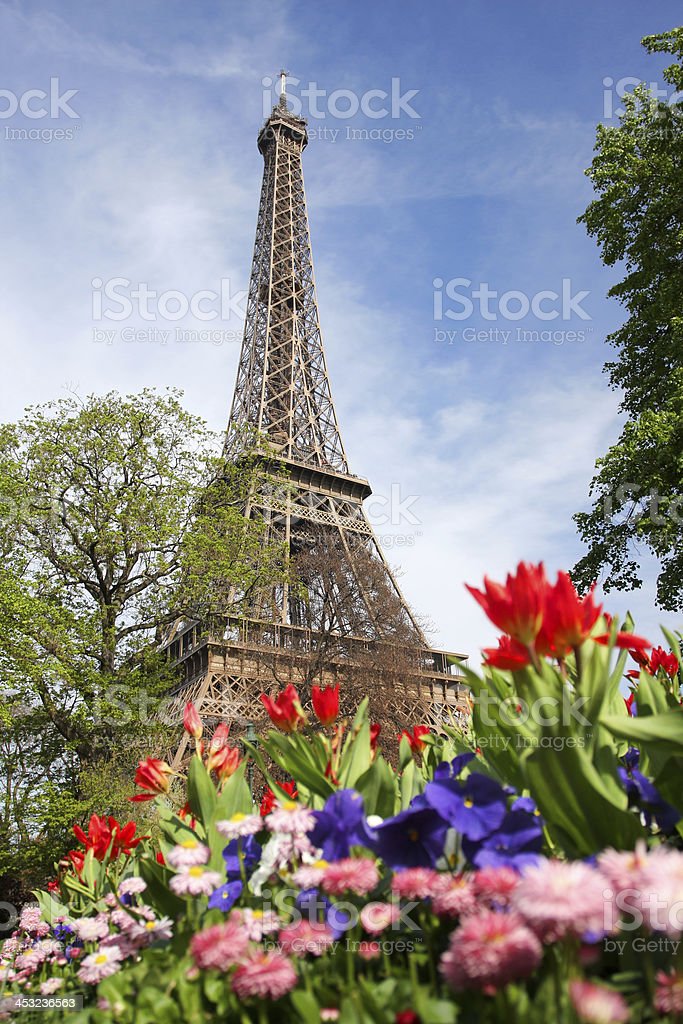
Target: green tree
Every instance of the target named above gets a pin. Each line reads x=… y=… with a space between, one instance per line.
x=118 y=515
x=637 y=219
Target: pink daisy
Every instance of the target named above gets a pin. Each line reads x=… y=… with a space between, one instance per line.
x=91 y=929
x=31 y=921
x=359 y=875
x=195 y=881
x=623 y=869
x=661 y=891
x=557 y=898
x=188 y=854
x=240 y=825
x=152 y=930
x=264 y=975
x=52 y=985
x=595 y=1004
x=309 y=875
x=488 y=950
x=9 y=948
x=101 y=964
x=415 y=883
x=219 y=947
x=304 y=936
x=132 y=886
x=290 y=818
x=259 y=922
x=376 y=917
x=495 y=885
x=669 y=993
x=29 y=961
x=454 y=896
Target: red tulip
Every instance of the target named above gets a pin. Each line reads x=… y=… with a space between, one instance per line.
x=285 y=711
x=517 y=607
x=509 y=654
x=568 y=619
x=326 y=703
x=192 y=722
x=105 y=834
x=154 y=776
x=414 y=737
x=628 y=701
x=375 y=730
x=226 y=762
x=78 y=860
x=626 y=641
x=219 y=742
x=661 y=659
x=269 y=799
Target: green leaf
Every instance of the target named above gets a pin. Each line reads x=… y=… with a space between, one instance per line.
x=201 y=792
x=574 y=799
x=379 y=789
x=666 y=730
x=157 y=877
x=306 y=1006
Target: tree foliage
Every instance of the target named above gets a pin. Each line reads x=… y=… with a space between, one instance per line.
x=118 y=515
x=637 y=219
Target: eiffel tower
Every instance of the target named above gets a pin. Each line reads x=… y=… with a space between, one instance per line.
x=352 y=619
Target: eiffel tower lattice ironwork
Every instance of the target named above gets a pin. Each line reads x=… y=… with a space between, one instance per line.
x=282 y=394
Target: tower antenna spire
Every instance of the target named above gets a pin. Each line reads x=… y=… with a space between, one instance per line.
x=283 y=88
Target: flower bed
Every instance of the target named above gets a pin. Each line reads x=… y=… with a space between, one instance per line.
x=529 y=869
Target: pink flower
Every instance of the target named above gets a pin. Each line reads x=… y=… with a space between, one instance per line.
x=31 y=921
x=669 y=992
x=488 y=950
x=660 y=885
x=312 y=937
x=131 y=886
x=308 y=875
x=623 y=870
x=264 y=975
x=219 y=947
x=152 y=930
x=101 y=964
x=90 y=929
x=359 y=875
x=258 y=922
x=195 y=881
x=240 y=825
x=188 y=854
x=52 y=985
x=368 y=950
x=557 y=898
x=454 y=896
x=596 y=1004
x=415 y=883
x=291 y=818
x=496 y=885
x=376 y=917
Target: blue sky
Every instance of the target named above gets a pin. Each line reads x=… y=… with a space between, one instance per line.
x=479 y=450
